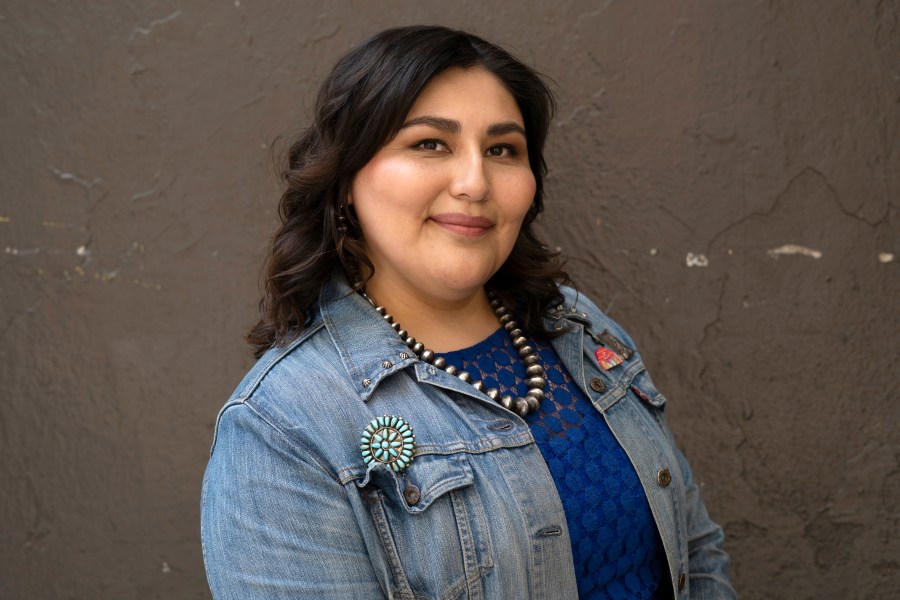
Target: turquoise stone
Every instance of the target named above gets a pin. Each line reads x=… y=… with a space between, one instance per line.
x=388 y=440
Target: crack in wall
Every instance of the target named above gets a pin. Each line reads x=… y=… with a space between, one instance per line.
x=779 y=198
x=90 y=188
x=706 y=333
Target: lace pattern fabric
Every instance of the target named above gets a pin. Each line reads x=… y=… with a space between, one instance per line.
x=616 y=547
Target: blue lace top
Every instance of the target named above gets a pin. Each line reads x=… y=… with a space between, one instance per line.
x=616 y=547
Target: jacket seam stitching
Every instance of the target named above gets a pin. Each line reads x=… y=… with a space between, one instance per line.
x=294 y=444
x=251 y=388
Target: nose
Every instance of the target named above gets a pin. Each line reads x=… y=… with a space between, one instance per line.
x=470 y=181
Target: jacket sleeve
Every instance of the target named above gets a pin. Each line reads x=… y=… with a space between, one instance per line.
x=708 y=562
x=273 y=523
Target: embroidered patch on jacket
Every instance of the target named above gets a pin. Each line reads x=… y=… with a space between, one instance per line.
x=615 y=344
x=608 y=359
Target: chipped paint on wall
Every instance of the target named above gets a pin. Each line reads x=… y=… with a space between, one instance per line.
x=791 y=249
x=696 y=260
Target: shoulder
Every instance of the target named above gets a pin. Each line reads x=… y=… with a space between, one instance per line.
x=280 y=365
x=603 y=331
x=579 y=307
x=299 y=403
x=293 y=385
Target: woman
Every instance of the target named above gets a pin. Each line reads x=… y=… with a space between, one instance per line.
x=432 y=414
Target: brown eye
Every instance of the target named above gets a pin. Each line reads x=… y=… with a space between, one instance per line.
x=431 y=145
x=502 y=150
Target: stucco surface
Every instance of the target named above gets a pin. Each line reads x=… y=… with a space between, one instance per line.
x=724 y=181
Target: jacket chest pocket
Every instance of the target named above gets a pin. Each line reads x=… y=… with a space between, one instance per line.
x=432 y=526
x=644 y=390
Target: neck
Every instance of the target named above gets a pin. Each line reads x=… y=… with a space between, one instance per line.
x=442 y=324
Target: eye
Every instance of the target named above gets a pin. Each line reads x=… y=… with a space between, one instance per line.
x=502 y=151
x=431 y=145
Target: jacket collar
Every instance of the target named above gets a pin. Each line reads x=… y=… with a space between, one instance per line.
x=369 y=347
x=371 y=350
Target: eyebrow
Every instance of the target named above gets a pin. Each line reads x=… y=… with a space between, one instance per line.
x=507 y=127
x=451 y=126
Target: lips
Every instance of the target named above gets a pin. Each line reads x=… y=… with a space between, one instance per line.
x=463 y=224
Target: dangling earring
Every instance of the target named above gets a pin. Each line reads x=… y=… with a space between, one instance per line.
x=343 y=229
x=350 y=267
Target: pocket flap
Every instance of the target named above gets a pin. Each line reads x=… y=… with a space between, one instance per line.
x=643 y=387
x=430 y=476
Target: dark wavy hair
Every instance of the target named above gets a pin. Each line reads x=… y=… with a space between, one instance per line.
x=360 y=107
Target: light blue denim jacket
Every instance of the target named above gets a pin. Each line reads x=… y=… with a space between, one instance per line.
x=290 y=510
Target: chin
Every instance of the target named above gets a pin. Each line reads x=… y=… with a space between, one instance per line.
x=463 y=279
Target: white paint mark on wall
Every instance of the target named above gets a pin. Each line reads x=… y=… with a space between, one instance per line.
x=696 y=260
x=56 y=225
x=146 y=30
x=141 y=195
x=794 y=249
x=166 y=568
x=64 y=176
x=21 y=251
x=146 y=284
x=82 y=251
x=653 y=251
x=106 y=276
x=885 y=257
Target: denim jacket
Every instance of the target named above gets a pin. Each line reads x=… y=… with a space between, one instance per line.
x=290 y=509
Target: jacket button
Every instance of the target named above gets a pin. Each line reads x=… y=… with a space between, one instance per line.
x=411 y=495
x=597 y=384
x=664 y=478
x=681 y=582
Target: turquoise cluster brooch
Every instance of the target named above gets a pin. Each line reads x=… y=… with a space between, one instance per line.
x=389 y=440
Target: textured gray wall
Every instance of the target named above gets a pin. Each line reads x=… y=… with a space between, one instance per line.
x=696 y=141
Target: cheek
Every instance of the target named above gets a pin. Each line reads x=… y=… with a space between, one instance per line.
x=521 y=196
x=392 y=183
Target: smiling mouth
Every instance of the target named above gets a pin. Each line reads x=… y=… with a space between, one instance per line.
x=463 y=224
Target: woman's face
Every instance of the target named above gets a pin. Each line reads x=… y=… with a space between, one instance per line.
x=441 y=204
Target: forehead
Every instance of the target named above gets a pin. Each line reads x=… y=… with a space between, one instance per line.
x=472 y=94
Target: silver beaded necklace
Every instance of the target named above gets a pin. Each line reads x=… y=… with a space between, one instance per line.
x=536 y=380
